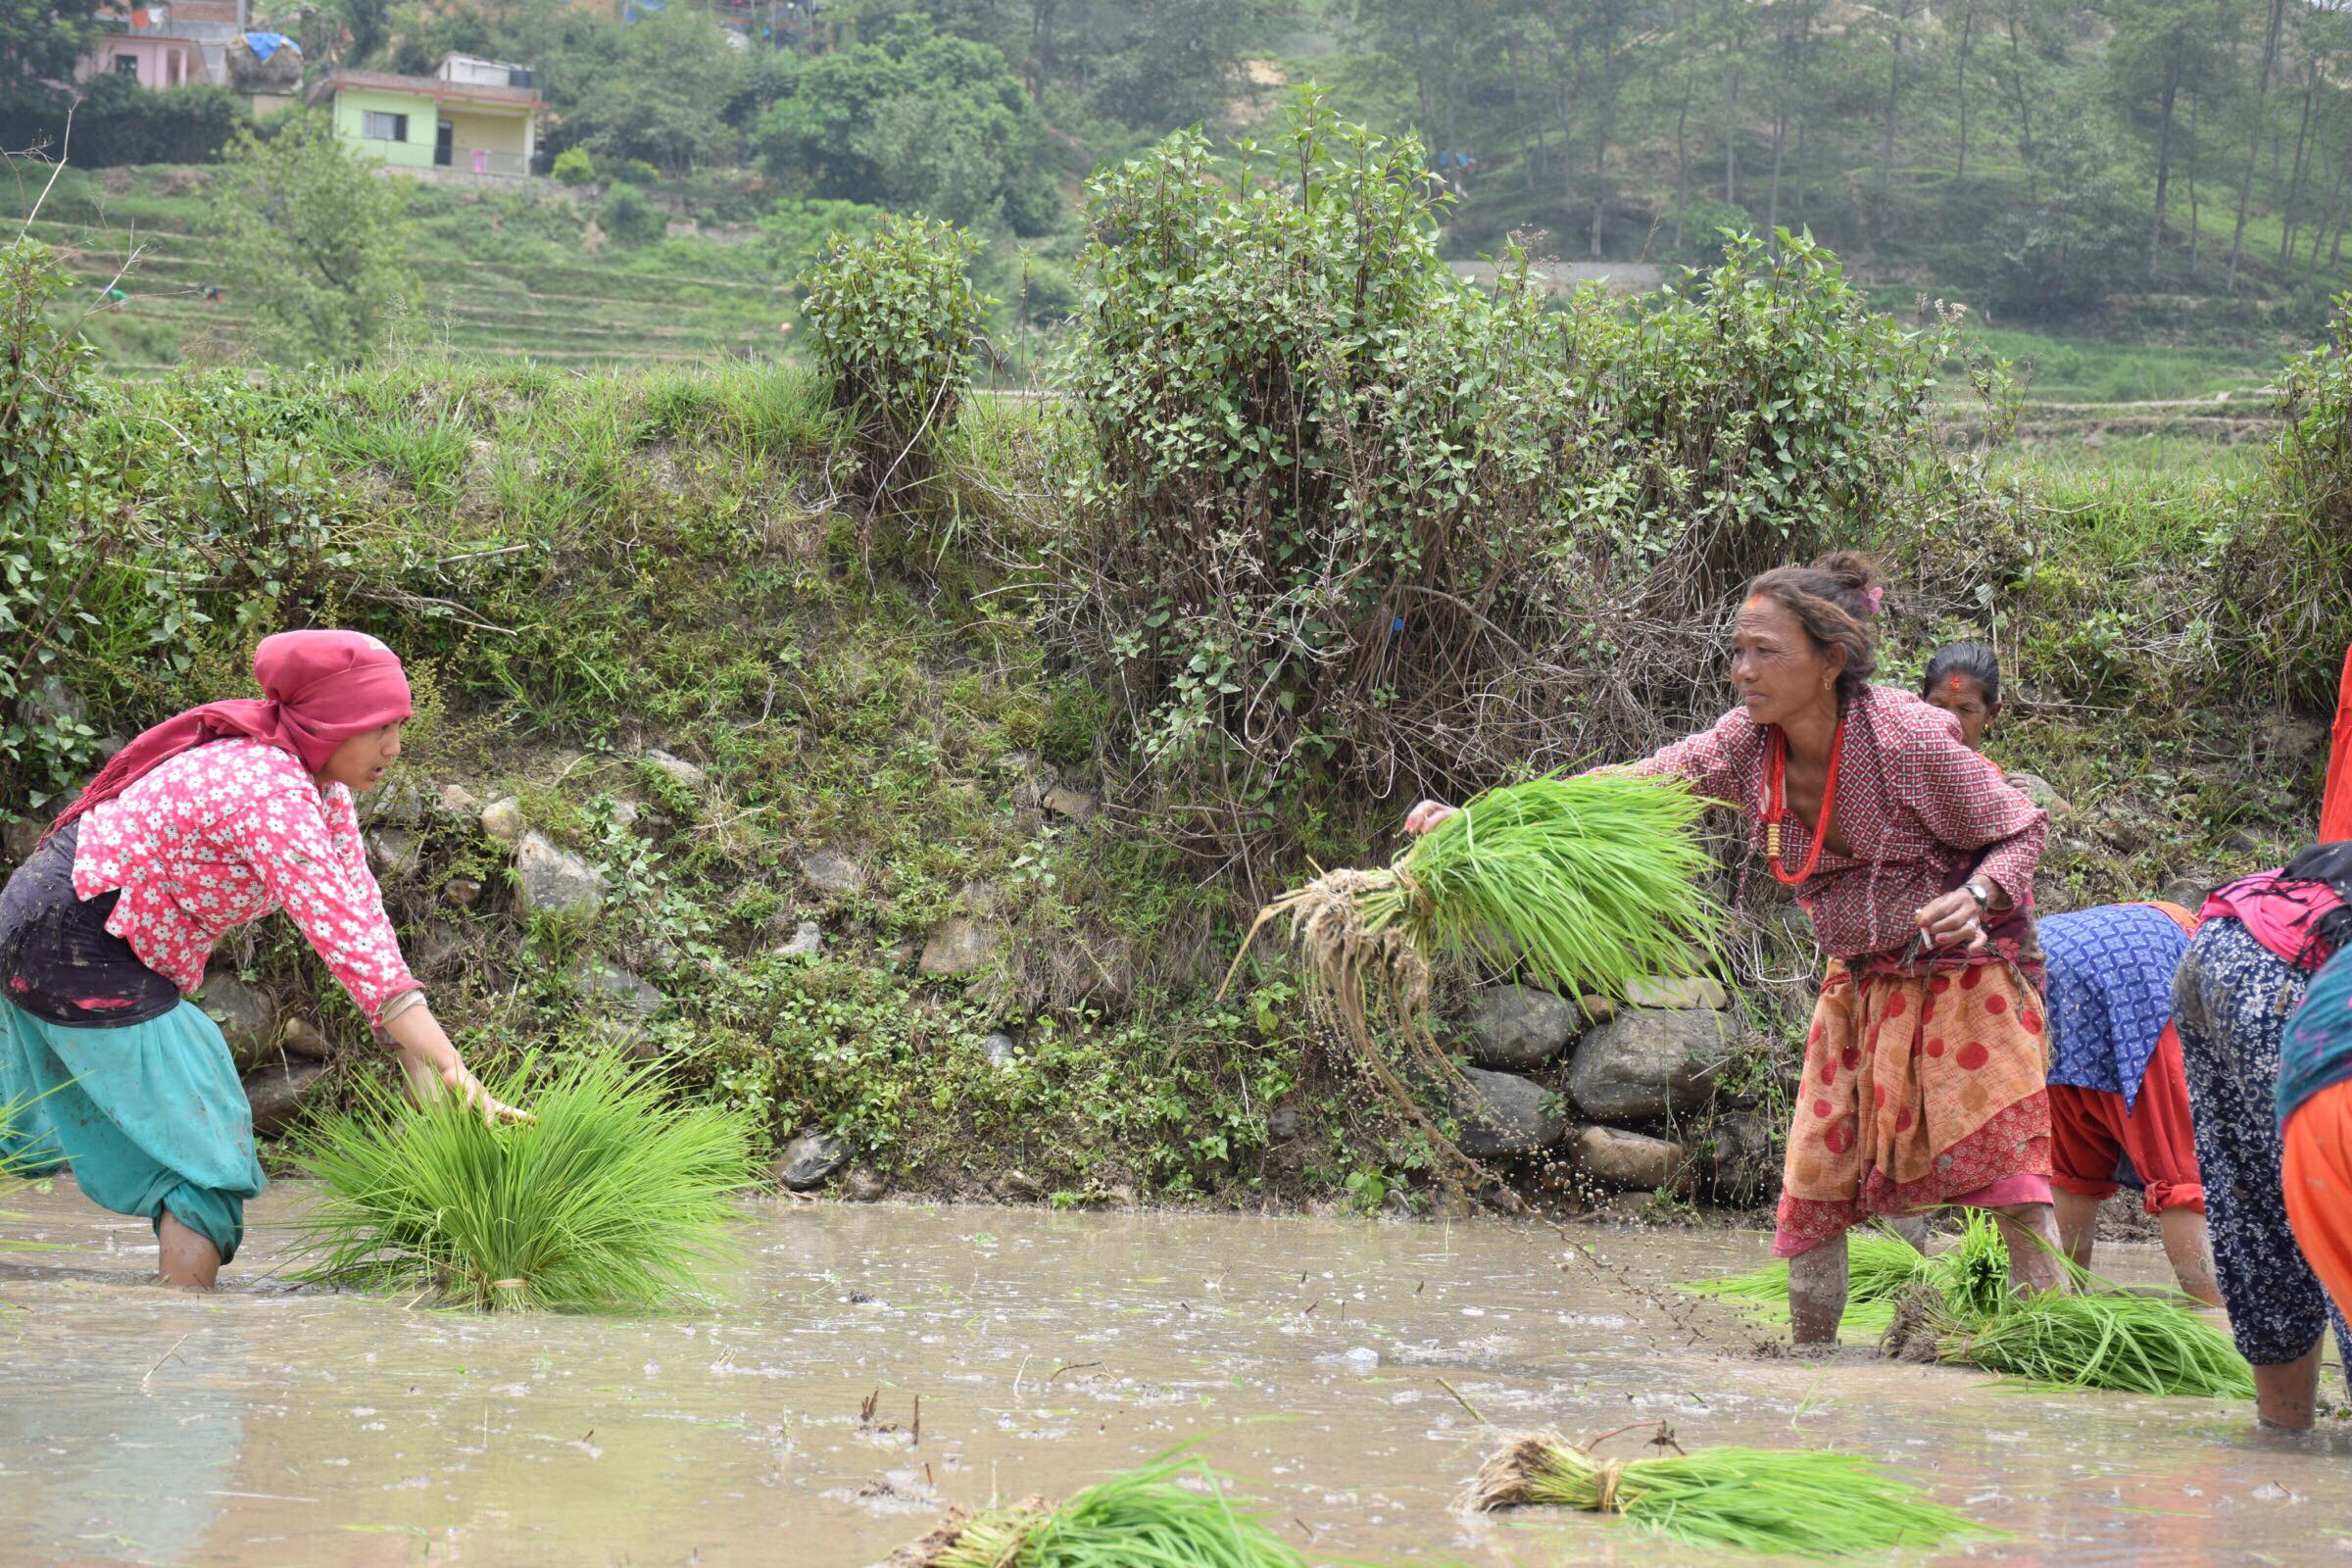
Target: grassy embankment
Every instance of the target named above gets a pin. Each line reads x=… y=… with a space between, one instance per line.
x=660 y=559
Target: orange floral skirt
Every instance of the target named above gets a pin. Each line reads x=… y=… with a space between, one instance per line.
x=1918 y=1089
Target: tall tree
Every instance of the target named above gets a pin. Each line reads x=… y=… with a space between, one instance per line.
x=2261 y=116
x=1966 y=47
x=315 y=238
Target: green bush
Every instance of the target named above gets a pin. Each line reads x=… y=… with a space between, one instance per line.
x=637 y=172
x=51 y=538
x=631 y=219
x=119 y=122
x=1352 y=527
x=573 y=166
x=896 y=325
x=2295 y=571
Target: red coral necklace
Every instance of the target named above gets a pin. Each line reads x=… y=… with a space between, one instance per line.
x=1776 y=776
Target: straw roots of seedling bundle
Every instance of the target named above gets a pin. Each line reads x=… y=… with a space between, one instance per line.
x=1759 y=1500
x=1578 y=885
x=610 y=1197
x=1143 y=1517
x=1959 y=1309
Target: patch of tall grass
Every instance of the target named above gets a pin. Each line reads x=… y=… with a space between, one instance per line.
x=611 y=1197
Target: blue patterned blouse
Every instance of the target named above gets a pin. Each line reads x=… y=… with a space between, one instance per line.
x=2110 y=992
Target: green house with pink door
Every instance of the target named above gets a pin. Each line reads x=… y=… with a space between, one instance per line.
x=475 y=117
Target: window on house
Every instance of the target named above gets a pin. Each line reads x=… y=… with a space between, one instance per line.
x=376 y=126
x=126 y=65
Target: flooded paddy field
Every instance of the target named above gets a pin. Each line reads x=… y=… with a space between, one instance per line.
x=1338 y=1369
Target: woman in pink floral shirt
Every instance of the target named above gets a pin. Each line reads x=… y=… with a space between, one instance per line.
x=208 y=822
x=1924 y=1069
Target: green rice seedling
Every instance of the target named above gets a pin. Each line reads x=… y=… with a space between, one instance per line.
x=2132 y=1343
x=1763 y=1502
x=1879 y=1269
x=1581 y=885
x=609 y=1198
x=1145 y=1516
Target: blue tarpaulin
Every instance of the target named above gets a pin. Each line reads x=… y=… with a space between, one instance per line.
x=266 y=44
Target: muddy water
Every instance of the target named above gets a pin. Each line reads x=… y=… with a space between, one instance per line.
x=1311 y=1358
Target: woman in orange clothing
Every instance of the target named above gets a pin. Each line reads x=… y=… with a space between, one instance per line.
x=2314 y=1123
x=2119 y=1097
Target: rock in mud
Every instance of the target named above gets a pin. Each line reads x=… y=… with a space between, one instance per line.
x=555 y=880
x=808 y=938
x=864 y=1185
x=958 y=946
x=2042 y=793
x=1508 y=1115
x=460 y=801
x=1748 y=1155
x=1017 y=1187
x=19 y=839
x=247 y=1017
x=1644 y=1064
x=1076 y=804
x=1519 y=1028
x=1283 y=1125
x=460 y=893
x=278 y=1094
x=833 y=873
x=1624 y=1208
x=679 y=771
x=810 y=1161
x=1001 y=1049
x=1626 y=1159
x=502 y=819
x=1678 y=993
x=396 y=850
x=610 y=983
x=302 y=1039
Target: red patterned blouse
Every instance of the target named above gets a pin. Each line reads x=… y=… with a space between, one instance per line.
x=223 y=834
x=1919 y=810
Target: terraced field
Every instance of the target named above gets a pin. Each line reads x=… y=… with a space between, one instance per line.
x=492 y=285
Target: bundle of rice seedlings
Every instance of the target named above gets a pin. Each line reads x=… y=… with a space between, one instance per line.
x=2128 y=1343
x=609 y=1198
x=1144 y=1517
x=1580 y=885
x=1762 y=1502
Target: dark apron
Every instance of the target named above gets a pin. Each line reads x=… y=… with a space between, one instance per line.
x=59 y=963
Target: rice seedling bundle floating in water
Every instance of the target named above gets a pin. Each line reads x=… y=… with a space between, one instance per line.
x=1143 y=1517
x=1578 y=885
x=1766 y=1501
x=610 y=1197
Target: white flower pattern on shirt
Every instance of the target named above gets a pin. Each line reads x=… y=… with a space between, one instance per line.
x=221 y=836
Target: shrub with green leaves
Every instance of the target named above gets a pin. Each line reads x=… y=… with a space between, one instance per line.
x=2294 y=567
x=52 y=539
x=573 y=166
x=610 y=1197
x=896 y=325
x=1351 y=526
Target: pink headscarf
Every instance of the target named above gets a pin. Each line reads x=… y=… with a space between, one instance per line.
x=319 y=689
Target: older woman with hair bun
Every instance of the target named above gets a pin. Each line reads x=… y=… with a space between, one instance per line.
x=1914 y=858
x=206 y=822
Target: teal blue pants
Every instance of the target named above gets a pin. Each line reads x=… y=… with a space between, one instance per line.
x=151 y=1116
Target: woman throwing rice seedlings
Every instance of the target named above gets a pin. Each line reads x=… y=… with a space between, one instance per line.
x=1923 y=1080
x=2248 y=970
x=208 y=822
